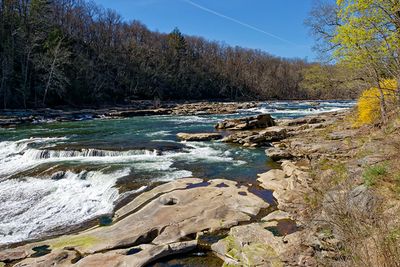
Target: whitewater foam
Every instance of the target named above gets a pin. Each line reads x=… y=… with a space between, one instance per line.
x=33 y=207
x=206 y=152
x=299 y=108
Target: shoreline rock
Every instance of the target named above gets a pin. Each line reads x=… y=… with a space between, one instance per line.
x=199 y=136
x=248 y=123
x=257 y=138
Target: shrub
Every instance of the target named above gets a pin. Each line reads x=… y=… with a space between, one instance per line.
x=368 y=105
x=371 y=174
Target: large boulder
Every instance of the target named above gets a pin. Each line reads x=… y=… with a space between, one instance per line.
x=250 y=245
x=199 y=136
x=248 y=123
x=260 y=138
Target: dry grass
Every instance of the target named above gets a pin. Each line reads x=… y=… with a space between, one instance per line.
x=367 y=237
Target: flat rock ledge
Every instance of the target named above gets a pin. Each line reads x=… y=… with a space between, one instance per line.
x=257 y=138
x=289 y=185
x=199 y=136
x=160 y=222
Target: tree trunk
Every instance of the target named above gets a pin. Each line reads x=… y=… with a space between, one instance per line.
x=48 y=84
x=25 y=74
x=382 y=104
x=52 y=67
x=398 y=92
x=3 y=89
x=3 y=83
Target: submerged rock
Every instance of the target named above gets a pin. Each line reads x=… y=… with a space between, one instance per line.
x=58 y=175
x=199 y=136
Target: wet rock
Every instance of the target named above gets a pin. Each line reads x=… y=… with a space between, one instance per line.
x=258 y=122
x=199 y=136
x=58 y=175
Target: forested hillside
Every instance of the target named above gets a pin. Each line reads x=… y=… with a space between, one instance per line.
x=75 y=53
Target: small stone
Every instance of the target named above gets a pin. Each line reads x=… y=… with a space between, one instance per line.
x=277 y=216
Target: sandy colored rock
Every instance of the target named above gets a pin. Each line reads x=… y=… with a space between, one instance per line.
x=199 y=136
x=241 y=124
x=276 y=154
x=142 y=256
x=289 y=185
x=277 y=215
x=62 y=258
x=162 y=216
x=250 y=245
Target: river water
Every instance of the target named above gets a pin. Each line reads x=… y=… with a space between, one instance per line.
x=59 y=174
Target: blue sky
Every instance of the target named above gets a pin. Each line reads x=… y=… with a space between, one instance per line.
x=275 y=26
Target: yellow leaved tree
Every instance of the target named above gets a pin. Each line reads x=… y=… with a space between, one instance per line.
x=369 y=108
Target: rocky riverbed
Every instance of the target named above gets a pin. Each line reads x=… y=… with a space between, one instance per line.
x=175 y=217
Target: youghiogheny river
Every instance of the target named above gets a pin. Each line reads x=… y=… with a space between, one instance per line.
x=57 y=175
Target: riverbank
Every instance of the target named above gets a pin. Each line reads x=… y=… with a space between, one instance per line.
x=233 y=221
x=341 y=184
x=10 y=118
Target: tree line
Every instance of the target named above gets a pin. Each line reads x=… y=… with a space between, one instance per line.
x=76 y=53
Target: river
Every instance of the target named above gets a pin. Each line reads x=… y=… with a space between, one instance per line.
x=56 y=175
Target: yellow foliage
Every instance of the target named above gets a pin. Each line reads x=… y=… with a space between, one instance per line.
x=368 y=105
